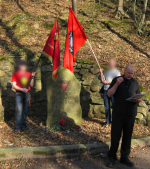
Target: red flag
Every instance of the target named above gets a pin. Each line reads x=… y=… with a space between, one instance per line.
x=52 y=50
x=74 y=41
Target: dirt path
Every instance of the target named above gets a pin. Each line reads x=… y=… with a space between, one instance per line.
x=139 y=156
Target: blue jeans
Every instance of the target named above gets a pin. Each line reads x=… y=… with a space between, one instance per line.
x=22 y=102
x=107 y=106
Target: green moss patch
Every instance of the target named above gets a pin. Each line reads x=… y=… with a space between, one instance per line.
x=89 y=62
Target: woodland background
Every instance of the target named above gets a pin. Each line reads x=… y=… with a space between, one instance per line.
x=115 y=28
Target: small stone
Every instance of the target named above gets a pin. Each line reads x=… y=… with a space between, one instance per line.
x=90 y=113
x=142 y=104
x=95 y=86
x=76 y=70
x=99 y=109
x=148 y=103
x=79 y=65
x=87 y=82
x=83 y=71
x=94 y=70
x=86 y=66
x=139 y=116
x=2 y=73
x=97 y=100
x=88 y=76
x=142 y=110
x=75 y=64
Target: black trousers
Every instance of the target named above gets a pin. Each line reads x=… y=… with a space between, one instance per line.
x=119 y=124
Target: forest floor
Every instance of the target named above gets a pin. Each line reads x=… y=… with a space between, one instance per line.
x=22 y=33
x=139 y=156
x=37 y=134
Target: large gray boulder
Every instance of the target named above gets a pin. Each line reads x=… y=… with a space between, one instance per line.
x=63 y=98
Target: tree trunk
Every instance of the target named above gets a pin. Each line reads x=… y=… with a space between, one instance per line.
x=74 y=6
x=120 y=12
x=120 y=6
x=142 y=19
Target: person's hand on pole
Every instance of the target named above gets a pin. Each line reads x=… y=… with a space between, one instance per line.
x=32 y=80
x=33 y=74
x=24 y=90
x=101 y=71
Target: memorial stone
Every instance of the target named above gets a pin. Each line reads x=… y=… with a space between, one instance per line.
x=63 y=98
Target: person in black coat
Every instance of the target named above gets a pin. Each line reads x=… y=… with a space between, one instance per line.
x=123 y=116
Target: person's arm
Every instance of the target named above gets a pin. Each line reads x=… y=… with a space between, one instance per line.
x=32 y=81
x=114 y=85
x=102 y=78
x=14 y=85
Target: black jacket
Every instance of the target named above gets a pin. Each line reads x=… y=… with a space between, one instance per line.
x=125 y=90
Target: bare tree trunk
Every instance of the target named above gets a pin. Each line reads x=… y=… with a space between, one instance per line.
x=120 y=12
x=142 y=18
x=35 y=8
x=74 y=6
x=120 y=6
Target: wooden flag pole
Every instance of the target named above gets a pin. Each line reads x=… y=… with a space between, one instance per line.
x=34 y=71
x=95 y=56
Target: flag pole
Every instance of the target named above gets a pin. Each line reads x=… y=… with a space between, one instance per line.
x=34 y=71
x=95 y=56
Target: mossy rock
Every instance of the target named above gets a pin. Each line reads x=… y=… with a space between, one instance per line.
x=99 y=109
x=78 y=60
x=97 y=100
x=78 y=66
x=90 y=113
x=142 y=110
x=139 y=116
x=95 y=85
x=100 y=115
x=86 y=66
x=63 y=98
x=87 y=82
x=83 y=71
x=88 y=76
x=143 y=104
x=94 y=70
x=143 y=121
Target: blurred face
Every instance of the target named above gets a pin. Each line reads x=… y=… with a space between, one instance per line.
x=128 y=73
x=22 y=68
x=111 y=64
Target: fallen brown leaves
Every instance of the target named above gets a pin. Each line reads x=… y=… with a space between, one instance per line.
x=37 y=134
x=120 y=41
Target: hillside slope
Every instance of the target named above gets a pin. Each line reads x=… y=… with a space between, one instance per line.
x=21 y=33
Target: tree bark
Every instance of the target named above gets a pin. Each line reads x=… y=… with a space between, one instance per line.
x=74 y=7
x=142 y=18
x=120 y=6
x=120 y=12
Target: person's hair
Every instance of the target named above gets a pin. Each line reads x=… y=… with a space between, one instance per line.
x=22 y=63
x=129 y=67
x=114 y=59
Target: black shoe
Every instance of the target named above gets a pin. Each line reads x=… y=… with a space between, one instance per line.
x=127 y=162
x=111 y=162
x=24 y=129
x=16 y=130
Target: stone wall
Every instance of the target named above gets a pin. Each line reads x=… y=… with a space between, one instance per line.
x=86 y=72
